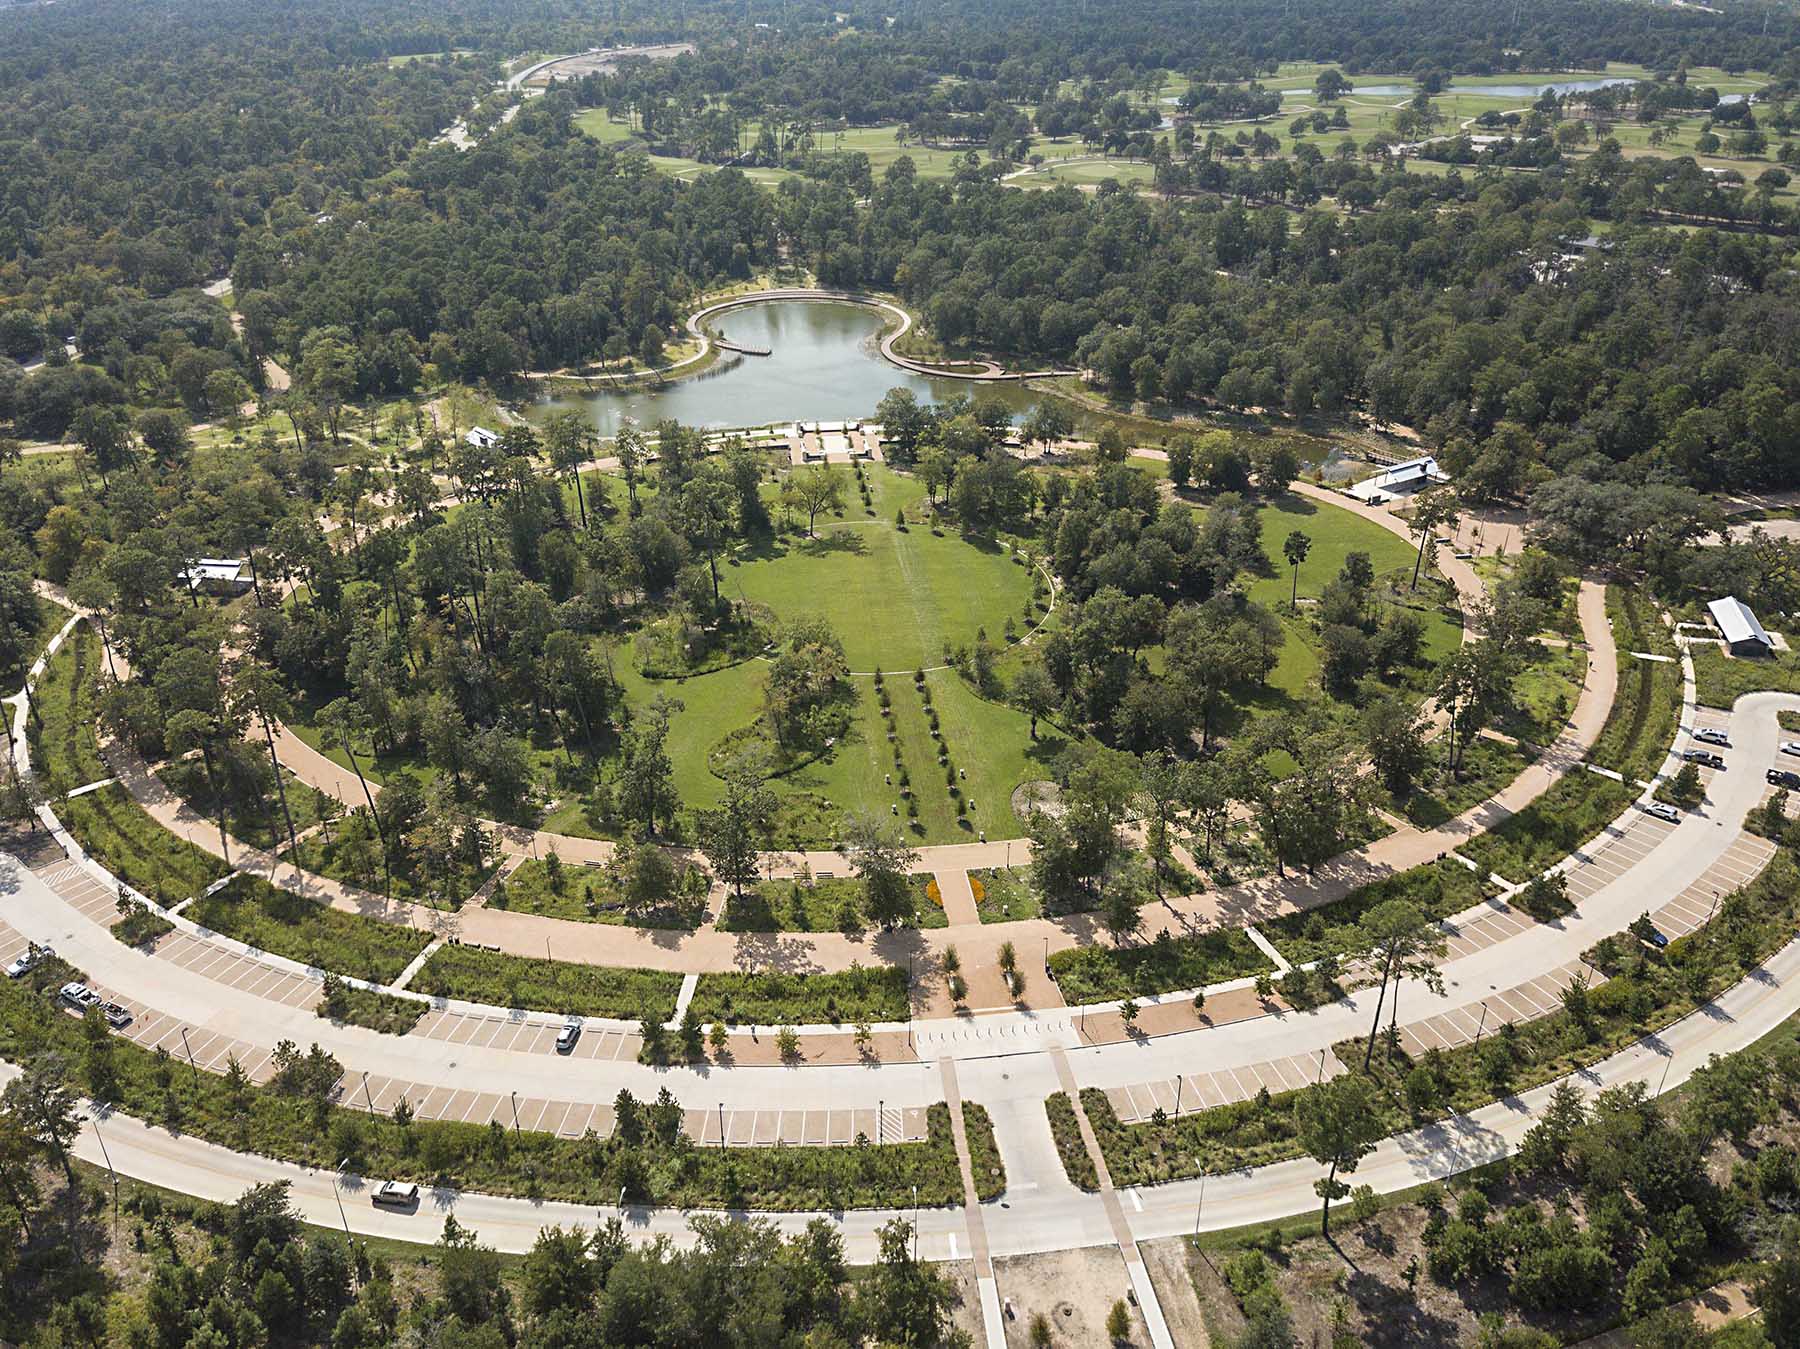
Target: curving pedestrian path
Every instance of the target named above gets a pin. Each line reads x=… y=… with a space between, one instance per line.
x=710 y=950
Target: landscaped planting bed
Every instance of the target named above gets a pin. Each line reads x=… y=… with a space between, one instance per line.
x=586 y=894
x=1578 y=807
x=366 y=1007
x=860 y=993
x=1439 y=796
x=534 y=984
x=656 y=1167
x=286 y=924
x=831 y=905
x=1007 y=895
x=259 y=823
x=1641 y=726
x=1437 y=889
x=61 y=735
x=1645 y=990
x=1102 y=973
x=135 y=848
x=1720 y=680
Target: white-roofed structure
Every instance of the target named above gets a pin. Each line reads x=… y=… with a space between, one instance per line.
x=216 y=575
x=482 y=438
x=1402 y=479
x=1744 y=636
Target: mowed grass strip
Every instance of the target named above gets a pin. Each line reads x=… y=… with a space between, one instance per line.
x=285 y=924
x=531 y=983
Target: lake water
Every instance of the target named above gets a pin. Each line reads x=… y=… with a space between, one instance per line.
x=825 y=366
x=1497 y=90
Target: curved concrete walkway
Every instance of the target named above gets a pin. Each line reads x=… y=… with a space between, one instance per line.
x=715 y=951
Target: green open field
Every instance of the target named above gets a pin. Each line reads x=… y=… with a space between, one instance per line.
x=894 y=597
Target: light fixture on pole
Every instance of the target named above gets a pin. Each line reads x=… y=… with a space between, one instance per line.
x=338 y=1195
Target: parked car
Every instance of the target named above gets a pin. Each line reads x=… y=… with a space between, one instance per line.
x=566 y=1038
x=1703 y=756
x=1790 y=746
x=1658 y=938
x=116 y=1016
x=1713 y=736
x=33 y=956
x=1663 y=811
x=396 y=1194
x=1781 y=777
x=79 y=996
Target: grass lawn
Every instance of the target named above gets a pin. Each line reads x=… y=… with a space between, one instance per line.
x=894 y=597
x=834 y=905
x=286 y=924
x=1720 y=680
x=135 y=848
x=1006 y=896
x=1641 y=725
x=1087 y=974
x=533 y=984
x=1488 y=765
x=1544 y=693
x=585 y=894
x=1335 y=534
x=1437 y=889
x=875 y=993
x=1573 y=811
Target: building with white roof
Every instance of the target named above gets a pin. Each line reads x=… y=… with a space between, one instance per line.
x=1402 y=479
x=1744 y=636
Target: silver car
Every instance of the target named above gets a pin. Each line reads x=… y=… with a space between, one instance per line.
x=1663 y=812
x=1713 y=737
x=396 y=1194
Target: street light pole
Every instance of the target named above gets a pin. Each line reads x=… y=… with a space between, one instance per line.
x=721 y=1126
x=1482 y=1026
x=515 y=1105
x=370 y=1099
x=915 y=1224
x=95 y=1120
x=338 y=1195
x=190 y=1054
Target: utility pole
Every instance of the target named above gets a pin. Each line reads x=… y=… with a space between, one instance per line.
x=95 y=1120
x=190 y=1054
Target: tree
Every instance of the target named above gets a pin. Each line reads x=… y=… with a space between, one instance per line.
x=1339 y=1124
x=1295 y=548
x=1329 y=85
x=1776 y=1290
x=628 y=449
x=258 y=694
x=901 y=1300
x=558 y=1274
x=1430 y=510
x=1395 y=734
x=568 y=442
x=647 y=780
x=732 y=835
x=884 y=862
x=819 y=488
x=1035 y=692
x=42 y=1106
x=1118 y=1323
x=1402 y=942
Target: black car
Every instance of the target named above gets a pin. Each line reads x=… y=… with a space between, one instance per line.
x=1781 y=777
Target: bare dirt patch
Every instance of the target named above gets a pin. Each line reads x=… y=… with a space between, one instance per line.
x=1074 y=1289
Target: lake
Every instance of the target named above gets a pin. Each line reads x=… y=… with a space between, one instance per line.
x=825 y=366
